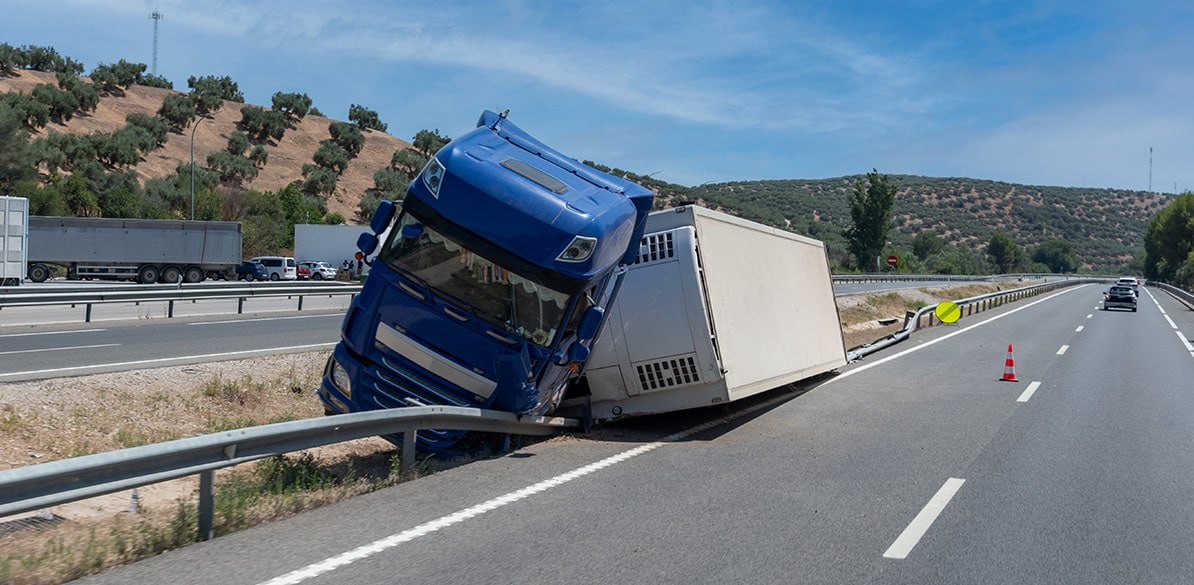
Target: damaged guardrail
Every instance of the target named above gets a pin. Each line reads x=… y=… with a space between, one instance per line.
x=34 y=487
x=968 y=306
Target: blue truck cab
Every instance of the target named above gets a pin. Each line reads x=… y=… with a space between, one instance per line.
x=489 y=287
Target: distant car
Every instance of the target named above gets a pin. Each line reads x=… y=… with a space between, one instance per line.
x=302 y=272
x=250 y=270
x=1120 y=297
x=1129 y=281
x=319 y=270
x=278 y=267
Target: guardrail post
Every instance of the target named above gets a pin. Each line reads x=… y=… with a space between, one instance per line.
x=87 y=319
x=240 y=305
x=207 y=504
x=408 y=452
x=300 y=302
x=170 y=310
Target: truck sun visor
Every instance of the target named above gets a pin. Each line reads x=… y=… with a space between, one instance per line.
x=535 y=175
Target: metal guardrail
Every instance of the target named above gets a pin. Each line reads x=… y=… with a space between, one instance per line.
x=854 y=278
x=1183 y=296
x=168 y=293
x=968 y=306
x=34 y=487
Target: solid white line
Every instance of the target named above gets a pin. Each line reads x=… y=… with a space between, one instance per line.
x=57 y=348
x=426 y=528
x=265 y=319
x=1079 y=329
x=870 y=365
x=78 y=370
x=921 y=523
x=1185 y=341
x=52 y=332
x=1028 y=392
x=1171 y=323
x=1063 y=349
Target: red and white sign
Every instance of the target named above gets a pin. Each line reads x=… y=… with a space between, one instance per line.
x=892 y=260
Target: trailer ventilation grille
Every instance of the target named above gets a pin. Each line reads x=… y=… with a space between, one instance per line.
x=668 y=373
x=655 y=247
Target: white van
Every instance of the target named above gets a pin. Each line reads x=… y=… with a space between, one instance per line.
x=279 y=267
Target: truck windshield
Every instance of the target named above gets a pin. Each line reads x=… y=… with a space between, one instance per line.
x=496 y=294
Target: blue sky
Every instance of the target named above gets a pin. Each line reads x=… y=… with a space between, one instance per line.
x=1046 y=92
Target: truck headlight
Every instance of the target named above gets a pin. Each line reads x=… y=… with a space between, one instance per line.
x=433 y=176
x=579 y=250
x=339 y=378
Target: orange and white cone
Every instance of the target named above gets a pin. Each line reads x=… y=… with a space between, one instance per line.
x=1009 y=367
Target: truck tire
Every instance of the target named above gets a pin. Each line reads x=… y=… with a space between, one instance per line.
x=194 y=274
x=171 y=274
x=148 y=274
x=39 y=273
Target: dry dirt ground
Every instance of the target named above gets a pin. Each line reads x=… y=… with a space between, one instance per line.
x=56 y=419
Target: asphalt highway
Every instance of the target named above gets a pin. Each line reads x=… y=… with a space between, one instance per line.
x=919 y=464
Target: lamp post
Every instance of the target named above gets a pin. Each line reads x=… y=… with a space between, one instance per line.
x=193 y=129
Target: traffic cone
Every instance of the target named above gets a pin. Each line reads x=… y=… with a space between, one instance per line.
x=1009 y=367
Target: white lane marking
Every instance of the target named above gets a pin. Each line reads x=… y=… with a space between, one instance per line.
x=58 y=348
x=1186 y=342
x=77 y=370
x=1063 y=349
x=870 y=365
x=338 y=315
x=1028 y=392
x=911 y=535
x=1090 y=315
x=51 y=333
x=426 y=528
x=361 y=552
x=1079 y=329
x=1171 y=323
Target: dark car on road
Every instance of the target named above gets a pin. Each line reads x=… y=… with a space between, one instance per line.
x=1120 y=297
x=249 y=270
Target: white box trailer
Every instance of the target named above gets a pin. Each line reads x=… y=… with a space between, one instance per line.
x=14 y=232
x=715 y=309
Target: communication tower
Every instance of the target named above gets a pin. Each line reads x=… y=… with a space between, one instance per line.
x=156 y=16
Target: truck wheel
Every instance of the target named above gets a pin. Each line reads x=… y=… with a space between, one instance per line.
x=39 y=273
x=171 y=274
x=194 y=274
x=148 y=274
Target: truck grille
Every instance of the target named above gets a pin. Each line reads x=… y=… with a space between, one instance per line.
x=396 y=386
x=655 y=247
x=667 y=373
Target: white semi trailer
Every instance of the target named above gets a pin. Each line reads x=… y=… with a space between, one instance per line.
x=715 y=309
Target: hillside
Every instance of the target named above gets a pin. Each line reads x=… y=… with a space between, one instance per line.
x=1105 y=226
x=286 y=156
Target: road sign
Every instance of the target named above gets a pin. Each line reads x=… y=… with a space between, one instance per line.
x=892 y=260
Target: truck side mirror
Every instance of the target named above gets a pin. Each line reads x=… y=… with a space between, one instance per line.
x=367 y=243
x=590 y=323
x=382 y=216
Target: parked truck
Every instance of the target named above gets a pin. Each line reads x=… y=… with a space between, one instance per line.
x=141 y=250
x=13 y=227
x=517 y=279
